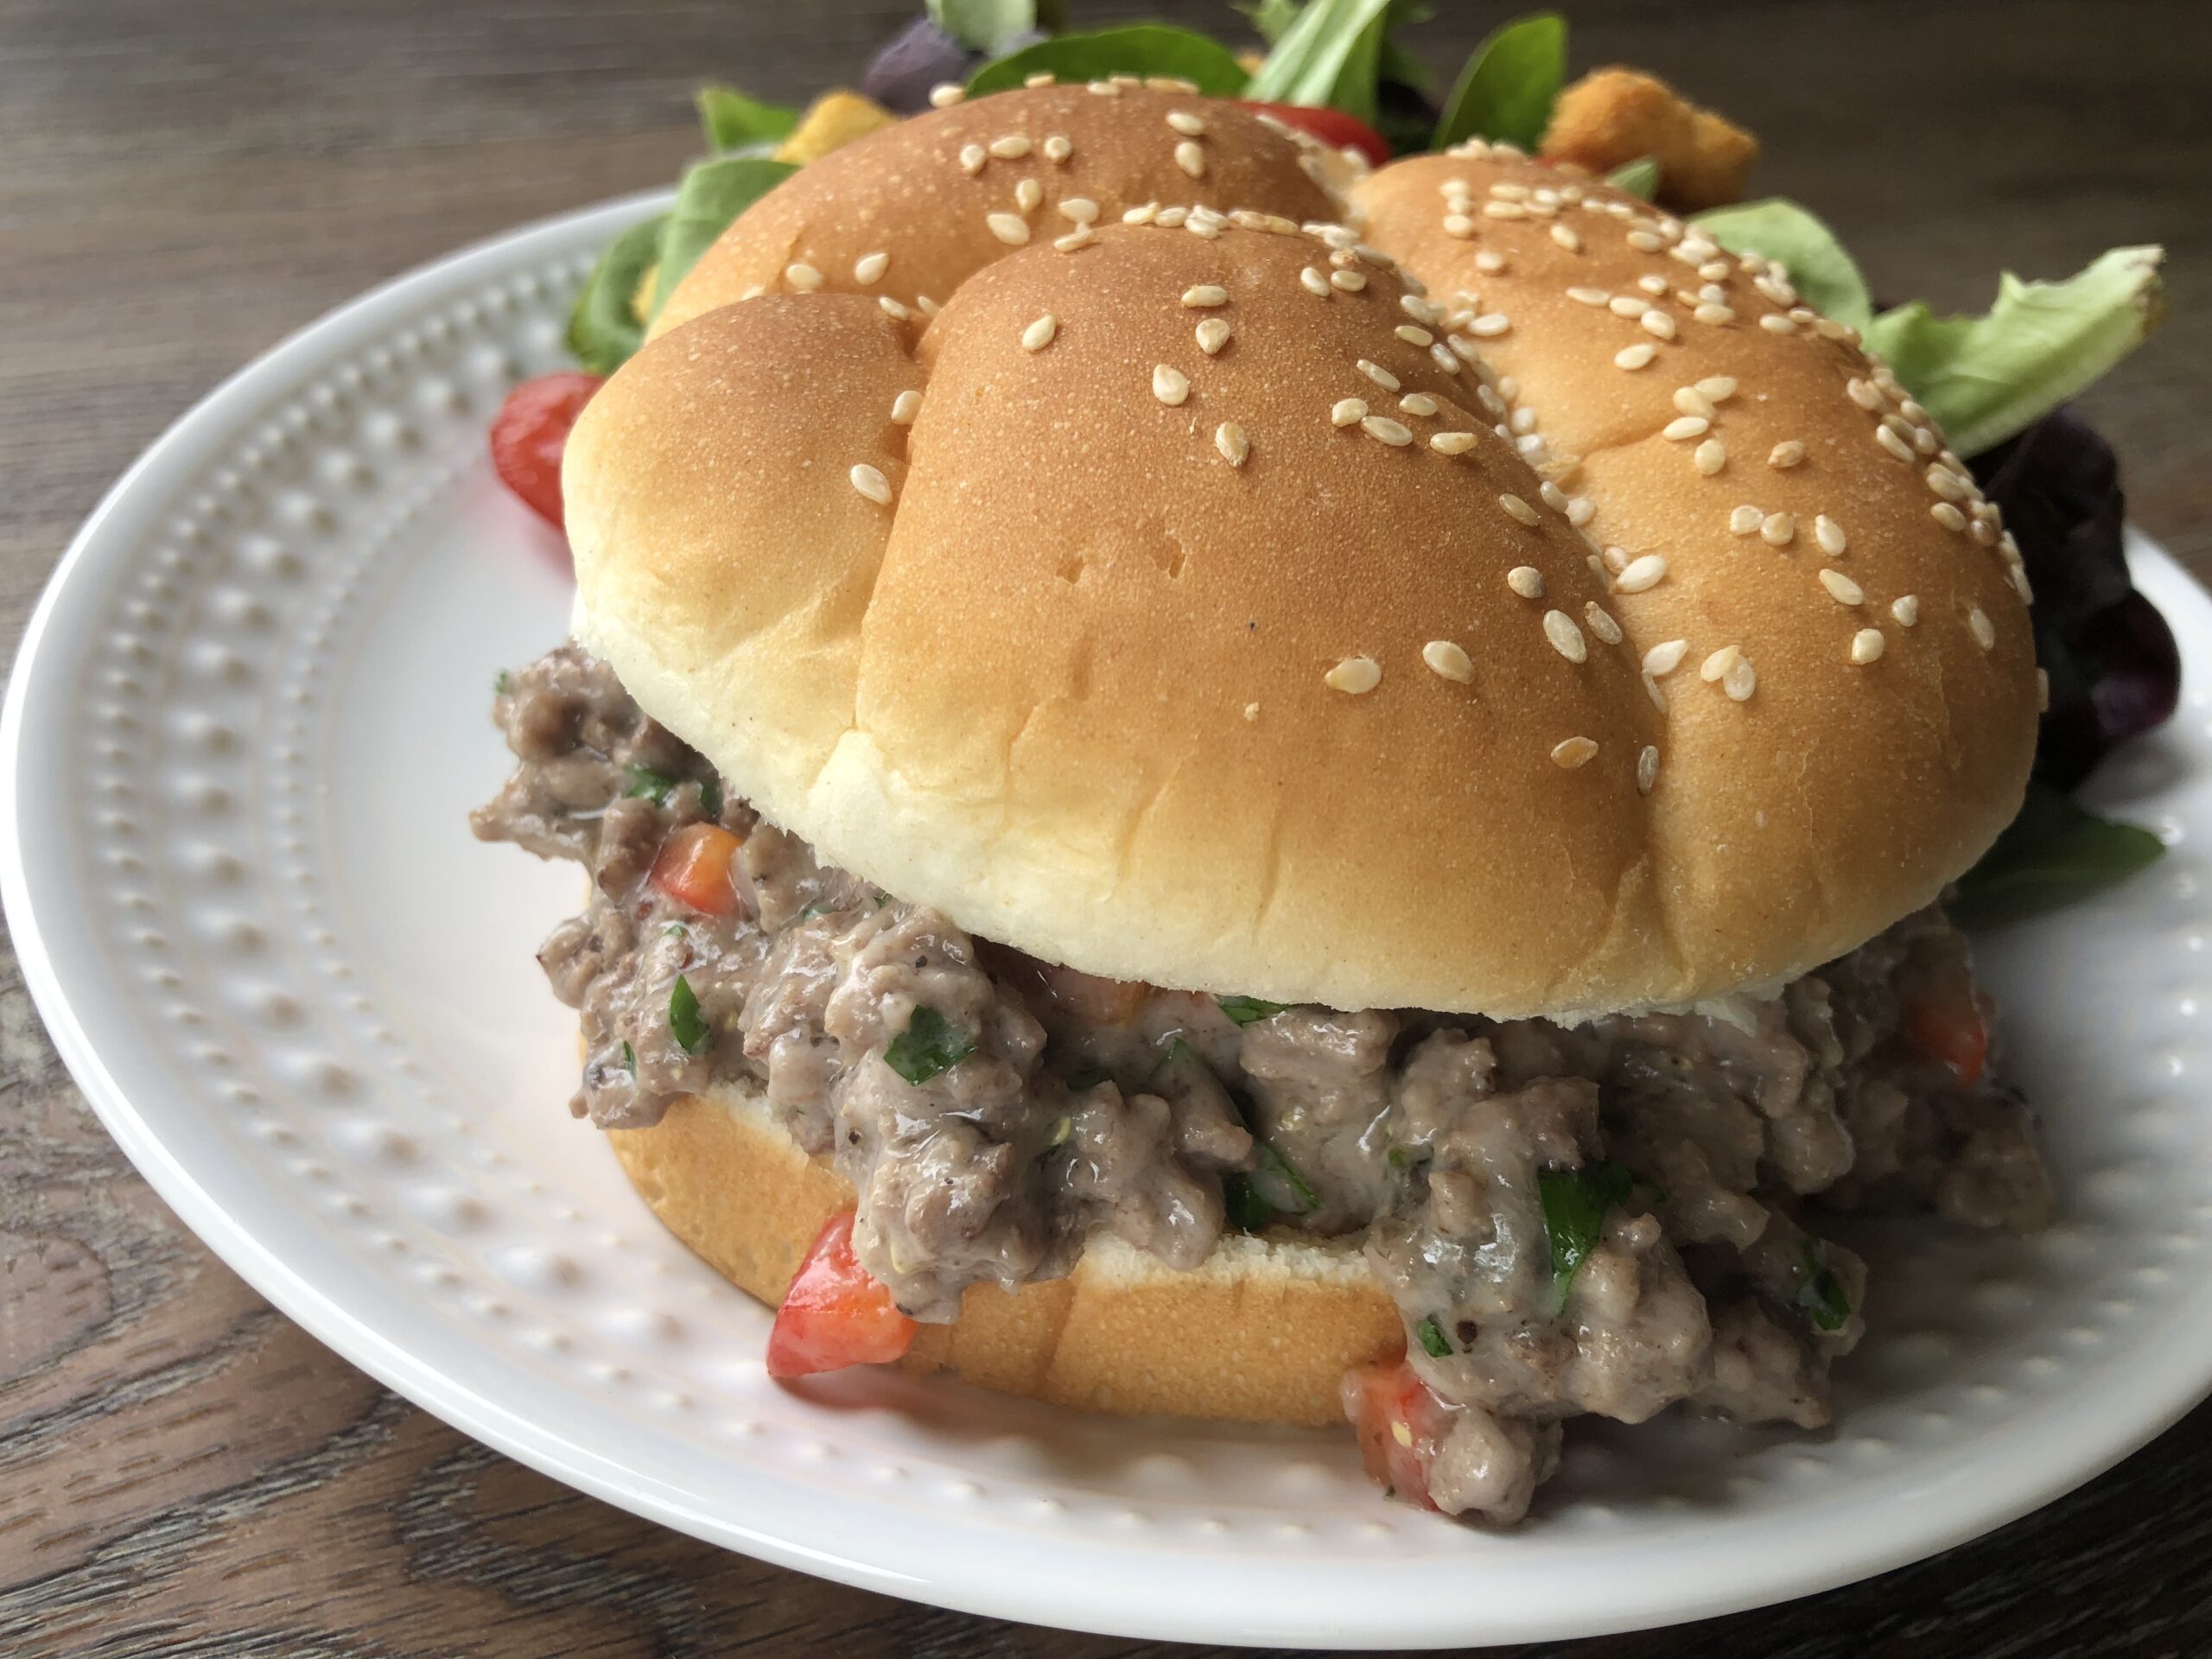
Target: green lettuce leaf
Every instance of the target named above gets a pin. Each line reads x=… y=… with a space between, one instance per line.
x=1140 y=49
x=712 y=194
x=1638 y=178
x=1509 y=85
x=732 y=121
x=1821 y=272
x=1271 y=19
x=1331 y=56
x=603 y=331
x=2056 y=852
x=1986 y=378
x=988 y=25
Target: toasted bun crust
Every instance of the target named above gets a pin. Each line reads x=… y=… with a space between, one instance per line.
x=906 y=193
x=1261 y=1332
x=1090 y=687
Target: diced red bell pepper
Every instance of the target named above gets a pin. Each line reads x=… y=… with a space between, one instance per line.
x=530 y=432
x=1332 y=127
x=1946 y=1026
x=1400 y=1424
x=835 y=1314
x=692 y=867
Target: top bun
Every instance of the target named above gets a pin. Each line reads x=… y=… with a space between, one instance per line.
x=1146 y=649
x=912 y=211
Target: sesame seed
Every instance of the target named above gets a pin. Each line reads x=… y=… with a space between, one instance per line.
x=1925 y=441
x=1655 y=321
x=891 y=307
x=1600 y=623
x=1685 y=427
x=1566 y=238
x=1081 y=210
x=1627 y=305
x=1948 y=516
x=804 y=277
x=946 y=93
x=1213 y=334
x=1039 y=334
x=871 y=483
x=1580 y=509
x=1205 y=295
x=1458 y=224
x=1355 y=676
x=1490 y=261
x=1448 y=660
x=1229 y=439
x=1103 y=88
x=1396 y=433
x=1690 y=401
x=1082 y=237
x=1010 y=228
x=1665 y=658
x=1589 y=295
x=1774 y=323
x=869 y=267
x=1350 y=280
x=1441 y=354
x=926 y=305
x=1647 y=769
x=1057 y=148
x=1978 y=624
x=1745 y=520
x=1906 y=609
x=1011 y=148
x=1185 y=122
x=1713 y=312
x=1636 y=356
x=1865 y=393
x=1946 y=483
x=1787 y=453
x=1027 y=193
x=1651 y=690
x=1504 y=210
x=1488 y=328
x=1554 y=497
x=1741 y=680
x=907 y=405
x=1417 y=402
x=1867 y=645
x=1566 y=637
x=1524 y=579
x=1518 y=508
x=1191 y=159
x=973 y=158
x=1641 y=574
x=1172 y=386
x=1347 y=411
x=1171 y=218
x=1652 y=283
x=1645 y=241
x=1315 y=282
x=1141 y=215
x=1778 y=529
x=1415 y=336
x=1574 y=753
x=1710 y=456
x=1451 y=443
x=1888 y=438
x=1042 y=78
x=2043 y=690
x=1829 y=534
x=1380 y=376
x=1842 y=588
x=1716 y=271
x=1719 y=662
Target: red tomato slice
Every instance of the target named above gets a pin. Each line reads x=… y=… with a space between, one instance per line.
x=529 y=432
x=1949 y=1029
x=1332 y=127
x=835 y=1314
x=692 y=867
x=1400 y=1425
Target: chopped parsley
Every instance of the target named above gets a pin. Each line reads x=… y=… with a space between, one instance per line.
x=502 y=683
x=645 y=784
x=1278 y=1185
x=1575 y=1202
x=1819 y=1292
x=710 y=797
x=931 y=1044
x=689 y=1027
x=1246 y=1211
x=629 y=1059
x=1433 y=1343
x=1244 y=1010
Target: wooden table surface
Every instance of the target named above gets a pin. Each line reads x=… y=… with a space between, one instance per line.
x=182 y=1472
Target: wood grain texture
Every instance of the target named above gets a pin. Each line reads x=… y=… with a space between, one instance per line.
x=182 y=1472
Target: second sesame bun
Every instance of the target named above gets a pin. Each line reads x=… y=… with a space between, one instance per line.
x=1256 y=661
x=1261 y=1332
x=909 y=212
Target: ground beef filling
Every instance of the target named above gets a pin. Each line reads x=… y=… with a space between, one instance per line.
x=1613 y=1217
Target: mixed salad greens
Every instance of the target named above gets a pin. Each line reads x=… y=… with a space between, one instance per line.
x=1997 y=383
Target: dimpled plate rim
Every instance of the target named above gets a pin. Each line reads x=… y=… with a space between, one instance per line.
x=1954 y=1423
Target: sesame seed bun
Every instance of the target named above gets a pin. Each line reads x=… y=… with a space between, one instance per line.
x=912 y=211
x=1261 y=1332
x=1261 y=663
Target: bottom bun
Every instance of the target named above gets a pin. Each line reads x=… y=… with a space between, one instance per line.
x=1261 y=1332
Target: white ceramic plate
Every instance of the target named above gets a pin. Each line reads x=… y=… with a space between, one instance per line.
x=248 y=720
